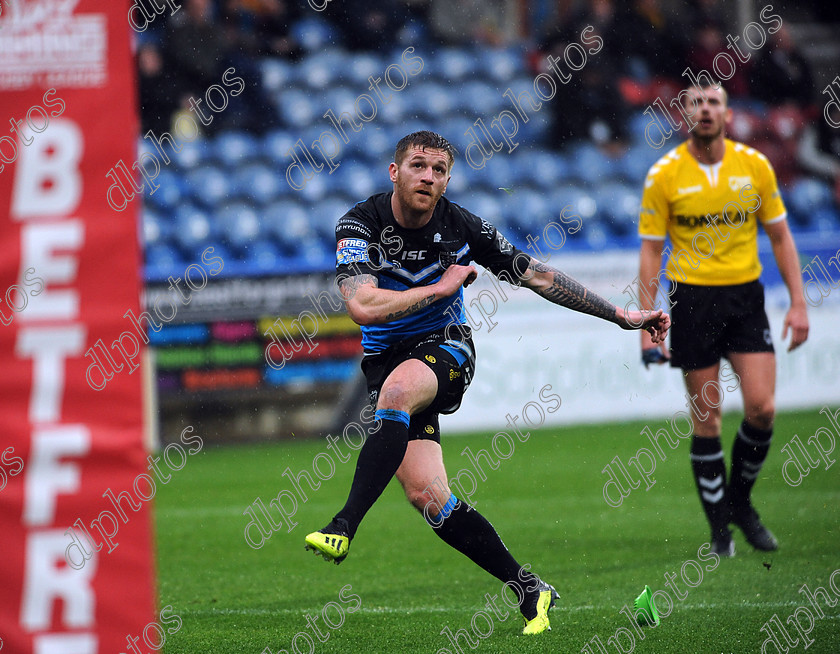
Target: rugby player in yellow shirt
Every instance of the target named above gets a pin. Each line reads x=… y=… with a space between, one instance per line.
x=708 y=196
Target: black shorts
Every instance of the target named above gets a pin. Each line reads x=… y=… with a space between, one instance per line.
x=709 y=322
x=452 y=361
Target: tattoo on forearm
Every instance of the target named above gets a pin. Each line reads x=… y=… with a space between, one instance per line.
x=350 y=285
x=409 y=310
x=571 y=294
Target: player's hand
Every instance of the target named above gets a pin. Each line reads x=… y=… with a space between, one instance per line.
x=797 y=321
x=454 y=278
x=653 y=352
x=655 y=323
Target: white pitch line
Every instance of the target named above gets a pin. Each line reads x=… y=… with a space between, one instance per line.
x=439 y=609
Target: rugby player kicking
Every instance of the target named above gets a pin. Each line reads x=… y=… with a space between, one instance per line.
x=403 y=259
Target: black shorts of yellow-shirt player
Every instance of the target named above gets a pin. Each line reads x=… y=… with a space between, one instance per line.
x=709 y=322
x=451 y=360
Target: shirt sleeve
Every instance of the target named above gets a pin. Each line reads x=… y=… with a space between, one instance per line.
x=357 y=244
x=492 y=250
x=654 y=213
x=772 y=208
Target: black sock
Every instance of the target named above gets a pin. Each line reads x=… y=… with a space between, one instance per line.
x=748 y=453
x=710 y=477
x=378 y=460
x=470 y=533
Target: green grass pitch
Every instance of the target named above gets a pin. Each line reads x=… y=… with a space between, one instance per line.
x=546 y=503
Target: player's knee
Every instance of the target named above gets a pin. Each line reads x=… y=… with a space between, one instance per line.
x=422 y=499
x=761 y=415
x=395 y=395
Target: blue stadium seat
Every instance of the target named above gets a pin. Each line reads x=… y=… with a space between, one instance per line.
x=156 y=230
x=296 y=108
x=618 y=206
x=193 y=228
x=258 y=183
x=170 y=194
x=191 y=153
x=437 y=99
x=276 y=145
x=806 y=197
x=499 y=171
x=316 y=186
x=239 y=225
x=163 y=260
x=480 y=99
x=356 y=180
x=452 y=65
x=396 y=110
x=359 y=67
x=320 y=70
x=540 y=168
x=208 y=185
x=234 y=148
x=277 y=73
x=314 y=33
x=527 y=208
x=576 y=201
x=325 y=214
x=590 y=166
x=501 y=65
x=635 y=163
x=286 y=222
x=487 y=206
x=262 y=258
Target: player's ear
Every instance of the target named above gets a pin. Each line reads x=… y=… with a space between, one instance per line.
x=392 y=171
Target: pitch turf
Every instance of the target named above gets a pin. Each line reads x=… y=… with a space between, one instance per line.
x=546 y=502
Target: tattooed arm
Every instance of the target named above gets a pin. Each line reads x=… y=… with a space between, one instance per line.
x=557 y=287
x=367 y=304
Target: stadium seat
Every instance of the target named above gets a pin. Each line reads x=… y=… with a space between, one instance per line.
x=238 y=225
x=156 y=230
x=320 y=70
x=501 y=65
x=452 y=65
x=356 y=180
x=487 y=206
x=745 y=126
x=277 y=73
x=208 y=185
x=171 y=193
x=316 y=187
x=479 y=99
x=314 y=33
x=618 y=207
x=191 y=153
x=163 y=260
x=296 y=108
x=258 y=183
x=193 y=228
x=397 y=109
x=286 y=222
x=325 y=214
x=360 y=66
x=806 y=197
x=437 y=99
x=263 y=258
x=276 y=145
x=234 y=148
x=526 y=208
x=590 y=166
x=634 y=164
x=540 y=168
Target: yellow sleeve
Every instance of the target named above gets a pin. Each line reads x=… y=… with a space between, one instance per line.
x=772 y=208
x=653 y=216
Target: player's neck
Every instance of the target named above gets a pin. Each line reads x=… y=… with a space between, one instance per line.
x=407 y=218
x=707 y=152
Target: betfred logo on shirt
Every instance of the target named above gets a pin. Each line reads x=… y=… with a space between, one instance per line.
x=351 y=250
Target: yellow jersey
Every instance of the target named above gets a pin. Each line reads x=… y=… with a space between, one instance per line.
x=711 y=213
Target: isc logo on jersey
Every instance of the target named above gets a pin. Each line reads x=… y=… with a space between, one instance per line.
x=351 y=250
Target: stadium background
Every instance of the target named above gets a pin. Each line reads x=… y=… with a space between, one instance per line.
x=206 y=368
x=584 y=150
